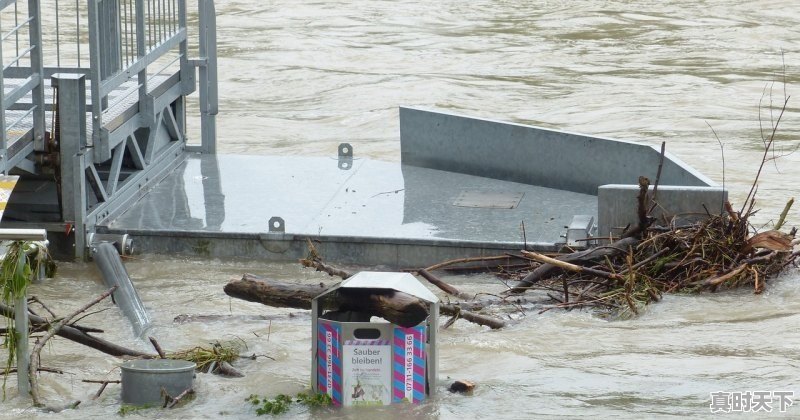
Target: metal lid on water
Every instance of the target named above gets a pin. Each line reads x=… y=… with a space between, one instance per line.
x=158 y=365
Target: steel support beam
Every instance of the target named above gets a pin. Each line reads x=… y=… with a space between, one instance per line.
x=71 y=95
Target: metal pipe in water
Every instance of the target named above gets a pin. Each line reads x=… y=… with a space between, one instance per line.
x=107 y=258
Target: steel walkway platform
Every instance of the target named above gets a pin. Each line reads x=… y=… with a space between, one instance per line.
x=371 y=212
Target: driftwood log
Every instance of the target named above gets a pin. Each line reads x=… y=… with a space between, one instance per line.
x=74 y=334
x=396 y=307
x=462 y=310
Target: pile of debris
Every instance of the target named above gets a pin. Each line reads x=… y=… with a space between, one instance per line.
x=617 y=278
x=622 y=277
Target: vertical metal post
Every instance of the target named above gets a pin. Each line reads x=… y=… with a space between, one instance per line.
x=94 y=67
x=23 y=355
x=187 y=68
x=433 y=348
x=80 y=204
x=72 y=115
x=141 y=46
x=3 y=135
x=37 y=68
x=110 y=41
x=78 y=30
x=21 y=309
x=208 y=76
x=145 y=104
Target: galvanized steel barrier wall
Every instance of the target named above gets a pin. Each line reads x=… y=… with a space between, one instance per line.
x=555 y=159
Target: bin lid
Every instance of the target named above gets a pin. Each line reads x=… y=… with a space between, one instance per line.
x=402 y=282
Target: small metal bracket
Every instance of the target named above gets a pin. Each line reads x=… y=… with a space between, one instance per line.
x=198 y=62
x=123 y=242
x=345 y=156
x=579 y=230
x=345 y=150
x=275 y=240
x=277 y=225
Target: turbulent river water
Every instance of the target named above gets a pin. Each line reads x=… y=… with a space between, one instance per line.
x=299 y=77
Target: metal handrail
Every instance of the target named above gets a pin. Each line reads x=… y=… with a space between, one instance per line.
x=126 y=39
x=142 y=32
x=12 y=125
x=23 y=235
x=33 y=85
x=19 y=57
x=17 y=28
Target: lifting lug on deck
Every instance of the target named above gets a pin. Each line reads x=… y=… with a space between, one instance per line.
x=277 y=225
x=345 y=156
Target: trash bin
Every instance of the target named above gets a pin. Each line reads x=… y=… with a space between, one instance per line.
x=358 y=360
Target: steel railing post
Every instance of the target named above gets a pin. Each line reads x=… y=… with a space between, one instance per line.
x=37 y=70
x=208 y=77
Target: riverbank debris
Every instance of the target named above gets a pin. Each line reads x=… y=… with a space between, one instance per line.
x=462 y=387
x=717 y=253
x=214 y=359
x=397 y=307
x=620 y=276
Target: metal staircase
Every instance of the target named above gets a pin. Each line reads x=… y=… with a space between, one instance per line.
x=95 y=112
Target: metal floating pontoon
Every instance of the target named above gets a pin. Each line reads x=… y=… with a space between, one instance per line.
x=465 y=187
x=116 y=160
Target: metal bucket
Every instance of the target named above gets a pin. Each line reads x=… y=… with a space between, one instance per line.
x=142 y=380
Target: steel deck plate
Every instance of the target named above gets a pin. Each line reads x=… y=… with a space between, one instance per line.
x=372 y=213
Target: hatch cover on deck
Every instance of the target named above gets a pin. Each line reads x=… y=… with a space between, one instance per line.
x=488 y=199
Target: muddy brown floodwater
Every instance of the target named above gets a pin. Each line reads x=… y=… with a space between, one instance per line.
x=299 y=77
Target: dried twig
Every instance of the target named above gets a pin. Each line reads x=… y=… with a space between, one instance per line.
x=37 y=349
x=785 y=212
x=768 y=144
x=447 y=288
x=571 y=267
x=654 y=199
x=158 y=348
x=103 y=385
x=37 y=300
x=170 y=401
x=41 y=369
x=321 y=266
x=467 y=260
x=455 y=310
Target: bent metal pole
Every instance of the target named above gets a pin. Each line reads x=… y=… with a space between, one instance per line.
x=107 y=258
